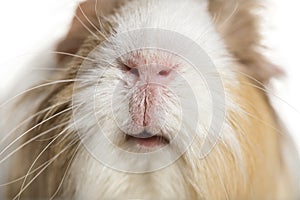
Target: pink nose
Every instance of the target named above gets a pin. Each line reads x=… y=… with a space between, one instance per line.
x=150 y=79
x=152 y=73
x=142 y=105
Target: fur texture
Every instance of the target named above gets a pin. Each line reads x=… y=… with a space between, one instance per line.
x=246 y=163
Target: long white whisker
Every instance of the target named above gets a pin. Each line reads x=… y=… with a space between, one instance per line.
x=36 y=159
x=65 y=174
x=87 y=28
x=72 y=55
x=31 y=140
x=47 y=146
x=43 y=169
x=93 y=25
x=98 y=18
x=22 y=177
x=265 y=123
x=29 y=118
x=39 y=86
x=22 y=135
x=230 y=15
x=267 y=91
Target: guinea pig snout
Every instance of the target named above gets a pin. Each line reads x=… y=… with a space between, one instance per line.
x=152 y=73
x=142 y=105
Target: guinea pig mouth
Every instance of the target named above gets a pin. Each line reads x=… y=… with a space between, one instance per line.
x=146 y=139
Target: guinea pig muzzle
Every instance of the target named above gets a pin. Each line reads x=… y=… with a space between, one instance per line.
x=147 y=139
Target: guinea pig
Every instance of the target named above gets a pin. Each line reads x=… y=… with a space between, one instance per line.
x=153 y=99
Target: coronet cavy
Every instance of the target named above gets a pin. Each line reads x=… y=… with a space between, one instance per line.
x=153 y=99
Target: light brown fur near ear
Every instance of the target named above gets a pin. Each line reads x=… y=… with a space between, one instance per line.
x=86 y=20
x=238 y=25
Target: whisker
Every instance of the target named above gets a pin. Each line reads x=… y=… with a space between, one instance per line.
x=74 y=122
x=66 y=171
x=22 y=177
x=216 y=18
x=47 y=139
x=43 y=169
x=48 y=145
x=29 y=118
x=31 y=140
x=89 y=21
x=39 y=86
x=234 y=11
x=86 y=27
x=266 y=90
x=262 y=121
x=57 y=69
x=42 y=122
x=32 y=171
x=72 y=55
x=250 y=77
x=41 y=153
x=240 y=130
x=98 y=17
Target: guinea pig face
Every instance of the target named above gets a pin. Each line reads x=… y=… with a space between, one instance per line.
x=160 y=101
x=154 y=87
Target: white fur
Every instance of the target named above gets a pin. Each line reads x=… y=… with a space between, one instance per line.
x=93 y=179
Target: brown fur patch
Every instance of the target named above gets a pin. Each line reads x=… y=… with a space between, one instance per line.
x=88 y=16
x=238 y=25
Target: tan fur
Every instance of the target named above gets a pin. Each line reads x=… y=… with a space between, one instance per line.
x=88 y=16
x=260 y=140
x=238 y=24
x=265 y=176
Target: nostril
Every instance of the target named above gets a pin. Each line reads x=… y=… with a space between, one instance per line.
x=164 y=73
x=135 y=72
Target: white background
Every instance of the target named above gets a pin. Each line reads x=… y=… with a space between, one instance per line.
x=29 y=26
